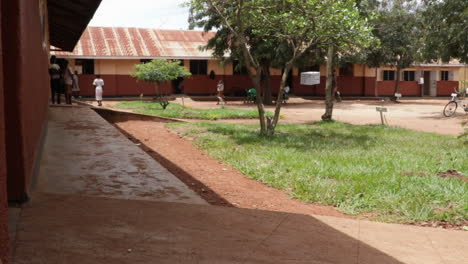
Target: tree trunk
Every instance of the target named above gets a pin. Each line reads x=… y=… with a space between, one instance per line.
x=260 y=106
x=156 y=89
x=329 y=87
x=397 y=84
x=267 y=98
x=272 y=122
x=256 y=79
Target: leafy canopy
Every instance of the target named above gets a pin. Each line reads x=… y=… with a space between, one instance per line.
x=160 y=71
x=446 y=27
x=398 y=30
x=265 y=25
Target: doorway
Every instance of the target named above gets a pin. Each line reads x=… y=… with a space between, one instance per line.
x=427 y=83
x=178 y=85
x=289 y=81
x=430 y=83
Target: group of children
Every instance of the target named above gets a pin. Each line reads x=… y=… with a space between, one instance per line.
x=64 y=80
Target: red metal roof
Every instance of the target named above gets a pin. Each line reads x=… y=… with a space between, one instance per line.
x=101 y=42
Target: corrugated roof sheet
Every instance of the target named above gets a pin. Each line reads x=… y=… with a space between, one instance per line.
x=104 y=42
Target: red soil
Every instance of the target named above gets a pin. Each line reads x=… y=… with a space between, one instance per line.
x=215 y=182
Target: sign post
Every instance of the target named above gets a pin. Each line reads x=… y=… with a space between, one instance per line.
x=381 y=110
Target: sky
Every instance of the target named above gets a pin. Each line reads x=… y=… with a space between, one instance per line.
x=163 y=14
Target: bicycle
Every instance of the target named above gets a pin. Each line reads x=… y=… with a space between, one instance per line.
x=451 y=107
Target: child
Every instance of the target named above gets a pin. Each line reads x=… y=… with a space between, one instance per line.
x=98 y=84
x=220 y=89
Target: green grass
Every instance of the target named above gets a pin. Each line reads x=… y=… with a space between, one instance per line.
x=178 y=111
x=386 y=172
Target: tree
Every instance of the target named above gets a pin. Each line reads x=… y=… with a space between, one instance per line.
x=301 y=25
x=397 y=28
x=268 y=53
x=446 y=31
x=159 y=71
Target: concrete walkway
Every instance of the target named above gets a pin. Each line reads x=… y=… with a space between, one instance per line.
x=85 y=155
x=79 y=215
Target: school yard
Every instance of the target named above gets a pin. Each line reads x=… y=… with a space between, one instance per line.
x=423 y=115
x=175 y=203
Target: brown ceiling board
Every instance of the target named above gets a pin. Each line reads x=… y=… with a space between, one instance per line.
x=68 y=19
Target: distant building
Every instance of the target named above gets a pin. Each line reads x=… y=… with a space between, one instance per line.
x=113 y=52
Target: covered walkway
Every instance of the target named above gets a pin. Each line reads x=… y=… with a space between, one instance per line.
x=100 y=199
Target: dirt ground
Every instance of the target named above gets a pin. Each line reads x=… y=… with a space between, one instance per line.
x=217 y=183
x=417 y=114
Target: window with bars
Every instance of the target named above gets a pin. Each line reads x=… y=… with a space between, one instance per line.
x=388 y=75
x=199 y=67
x=444 y=76
x=409 y=76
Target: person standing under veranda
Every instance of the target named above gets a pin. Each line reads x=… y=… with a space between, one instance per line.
x=68 y=78
x=76 y=85
x=98 y=84
x=55 y=80
x=220 y=90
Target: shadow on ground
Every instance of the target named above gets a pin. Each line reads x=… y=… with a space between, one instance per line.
x=74 y=229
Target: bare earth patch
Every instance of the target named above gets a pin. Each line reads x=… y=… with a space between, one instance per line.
x=453 y=174
x=217 y=183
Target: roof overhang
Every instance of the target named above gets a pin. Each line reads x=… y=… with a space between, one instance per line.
x=68 y=19
x=441 y=65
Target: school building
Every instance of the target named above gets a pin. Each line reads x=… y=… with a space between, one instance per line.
x=27 y=29
x=113 y=52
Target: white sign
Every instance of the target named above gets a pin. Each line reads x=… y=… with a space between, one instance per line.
x=421 y=80
x=381 y=109
x=310 y=78
x=398 y=95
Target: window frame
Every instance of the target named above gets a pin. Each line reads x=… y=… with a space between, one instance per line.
x=199 y=67
x=445 y=74
x=346 y=70
x=86 y=68
x=409 y=76
x=386 y=77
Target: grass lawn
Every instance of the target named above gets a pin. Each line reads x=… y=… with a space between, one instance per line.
x=389 y=174
x=178 y=111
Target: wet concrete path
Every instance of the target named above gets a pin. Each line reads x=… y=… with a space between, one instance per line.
x=84 y=154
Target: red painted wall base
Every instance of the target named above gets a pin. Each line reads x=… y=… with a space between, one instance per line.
x=236 y=85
